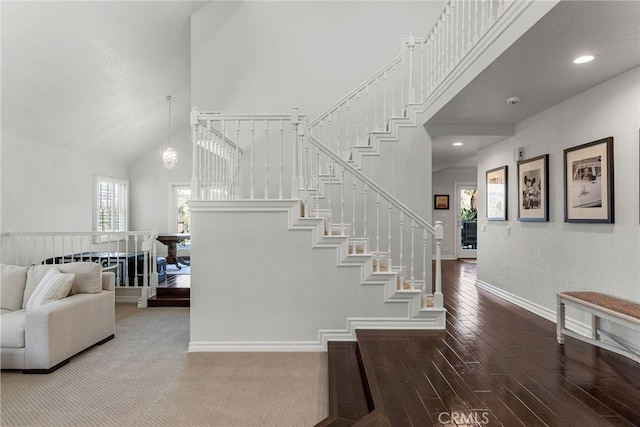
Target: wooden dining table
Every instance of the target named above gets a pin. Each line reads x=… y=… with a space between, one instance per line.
x=171 y=240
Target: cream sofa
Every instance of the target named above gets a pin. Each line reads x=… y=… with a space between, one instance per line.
x=52 y=312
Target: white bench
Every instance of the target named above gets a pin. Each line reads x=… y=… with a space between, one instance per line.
x=600 y=306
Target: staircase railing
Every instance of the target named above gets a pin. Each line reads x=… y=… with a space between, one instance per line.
x=419 y=69
x=217 y=161
x=282 y=161
x=263 y=169
x=131 y=255
x=357 y=207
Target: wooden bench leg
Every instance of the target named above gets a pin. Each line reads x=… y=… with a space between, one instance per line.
x=560 y=321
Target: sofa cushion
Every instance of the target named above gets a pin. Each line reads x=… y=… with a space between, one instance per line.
x=12 y=330
x=88 y=277
x=34 y=276
x=53 y=286
x=13 y=280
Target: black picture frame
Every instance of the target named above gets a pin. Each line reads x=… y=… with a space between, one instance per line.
x=533 y=189
x=497 y=193
x=441 y=201
x=588 y=182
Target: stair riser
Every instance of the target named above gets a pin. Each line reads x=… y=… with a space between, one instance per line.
x=173 y=292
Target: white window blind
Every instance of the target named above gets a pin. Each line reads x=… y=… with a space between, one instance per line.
x=112 y=204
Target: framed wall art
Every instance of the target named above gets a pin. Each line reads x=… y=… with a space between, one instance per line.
x=588 y=188
x=533 y=189
x=441 y=201
x=497 y=194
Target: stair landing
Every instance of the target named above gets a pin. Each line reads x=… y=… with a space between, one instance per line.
x=173 y=292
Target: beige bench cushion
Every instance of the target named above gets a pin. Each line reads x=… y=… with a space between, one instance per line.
x=609 y=302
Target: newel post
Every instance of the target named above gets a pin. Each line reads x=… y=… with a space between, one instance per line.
x=195 y=184
x=438 y=298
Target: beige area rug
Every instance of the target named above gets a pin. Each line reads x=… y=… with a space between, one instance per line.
x=146 y=377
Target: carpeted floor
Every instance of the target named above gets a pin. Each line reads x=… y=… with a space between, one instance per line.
x=145 y=377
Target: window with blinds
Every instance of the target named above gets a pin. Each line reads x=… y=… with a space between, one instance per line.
x=112 y=204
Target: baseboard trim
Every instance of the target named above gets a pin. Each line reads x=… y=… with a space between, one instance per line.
x=432 y=320
x=254 y=346
x=128 y=299
x=541 y=311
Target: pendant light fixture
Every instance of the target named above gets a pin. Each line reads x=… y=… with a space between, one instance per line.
x=169 y=156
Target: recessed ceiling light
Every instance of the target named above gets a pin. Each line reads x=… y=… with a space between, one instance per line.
x=457 y=144
x=584 y=59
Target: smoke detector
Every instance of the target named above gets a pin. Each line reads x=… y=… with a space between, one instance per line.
x=513 y=100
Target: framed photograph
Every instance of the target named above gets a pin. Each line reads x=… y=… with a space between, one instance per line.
x=497 y=194
x=533 y=189
x=441 y=201
x=588 y=187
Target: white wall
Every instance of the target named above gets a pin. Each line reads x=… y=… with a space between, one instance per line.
x=538 y=259
x=444 y=182
x=49 y=189
x=275 y=292
x=269 y=56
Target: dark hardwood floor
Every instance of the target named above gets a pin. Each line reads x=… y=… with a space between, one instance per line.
x=496 y=364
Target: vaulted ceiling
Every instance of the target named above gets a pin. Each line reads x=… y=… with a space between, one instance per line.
x=93 y=76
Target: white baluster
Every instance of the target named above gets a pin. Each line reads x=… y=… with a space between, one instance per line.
x=403 y=100
x=389 y=262
x=375 y=104
x=338 y=136
x=318 y=185
x=252 y=132
x=366 y=115
x=413 y=253
x=348 y=133
x=483 y=6
x=342 y=225
x=424 y=266
x=422 y=86
x=364 y=223
x=308 y=181
x=437 y=295
x=353 y=218
x=266 y=159
x=394 y=110
x=281 y=183
x=330 y=169
x=329 y=126
x=357 y=119
x=412 y=44
x=476 y=19
x=384 y=97
x=401 y=246
x=308 y=178
x=378 y=232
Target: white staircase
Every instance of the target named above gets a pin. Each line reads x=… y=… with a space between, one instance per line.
x=293 y=244
x=276 y=281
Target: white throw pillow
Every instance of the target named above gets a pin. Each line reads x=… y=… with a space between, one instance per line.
x=12 y=282
x=34 y=277
x=53 y=286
